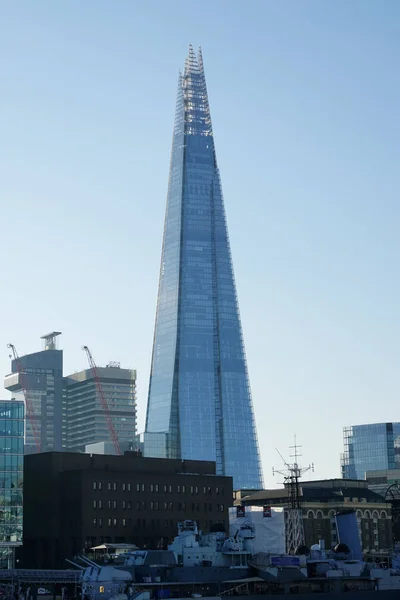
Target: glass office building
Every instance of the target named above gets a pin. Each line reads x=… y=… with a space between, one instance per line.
x=11 y=479
x=370 y=447
x=199 y=404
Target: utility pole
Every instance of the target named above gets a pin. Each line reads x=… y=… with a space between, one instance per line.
x=292 y=474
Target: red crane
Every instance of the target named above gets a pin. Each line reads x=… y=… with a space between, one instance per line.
x=30 y=411
x=103 y=401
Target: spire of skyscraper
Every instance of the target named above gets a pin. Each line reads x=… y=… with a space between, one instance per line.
x=199 y=404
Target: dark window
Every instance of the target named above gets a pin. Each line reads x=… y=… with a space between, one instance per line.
x=100 y=522
x=129 y=505
x=124 y=504
x=109 y=485
x=95 y=522
x=94 y=503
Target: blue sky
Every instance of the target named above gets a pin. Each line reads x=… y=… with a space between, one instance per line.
x=305 y=106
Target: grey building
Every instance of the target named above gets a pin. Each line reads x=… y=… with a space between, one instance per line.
x=11 y=479
x=85 y=422
x=40 y=374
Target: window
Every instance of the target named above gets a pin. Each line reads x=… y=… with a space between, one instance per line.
x=124 y=487
x=109 y=522
x=191 y=489
x=156 y=487
x=196 y=489
x=115 y=486
x=109 y=486
x=138 y=505
x=171 y=506
x=109 y=504
x=123 y=522
x=100 y=503
x=156 y=505
x=114 y=504
x=178 y=489
x=143 y=487
x=183 y=505
x=152 y=505
x=95 y=522
x=128 y=487
x=124 y=504
x=217 y=491
x=138 y=487
x=100 y=486
x=170 y=489
x=310 y=514
x=94 y=503
x=129 y=505
x=151 y=487
x=165 y=488
x=100 y=522
x=115 y=522
x=183 y=489
x=95 y=485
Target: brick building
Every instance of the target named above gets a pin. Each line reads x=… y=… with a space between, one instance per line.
x=75 y=501
x=320 y=500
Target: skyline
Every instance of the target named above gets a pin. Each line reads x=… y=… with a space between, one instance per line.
x=310 y=92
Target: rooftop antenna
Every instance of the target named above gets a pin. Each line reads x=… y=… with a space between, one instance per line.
x=292 y=474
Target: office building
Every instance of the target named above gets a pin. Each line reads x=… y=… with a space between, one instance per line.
x=40 y=374
x=199 y=404
x=85 y=500
x=321 y=500
x=85 y=421
x=370 y=447
x=11 y=479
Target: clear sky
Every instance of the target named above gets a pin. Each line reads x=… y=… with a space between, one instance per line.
x=305 y=105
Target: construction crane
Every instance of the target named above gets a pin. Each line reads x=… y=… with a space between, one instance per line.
x=103 y=401
x=30 y=412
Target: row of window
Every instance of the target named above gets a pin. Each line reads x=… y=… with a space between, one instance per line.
x=366 y=515
x=155 y=488
x=155 y=505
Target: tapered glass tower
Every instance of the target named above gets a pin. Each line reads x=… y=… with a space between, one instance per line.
x=199 y=404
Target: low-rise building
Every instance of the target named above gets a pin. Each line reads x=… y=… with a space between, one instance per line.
x=321 y=500
x=74 y=502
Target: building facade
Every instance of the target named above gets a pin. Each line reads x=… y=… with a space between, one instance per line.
x=41 y=377
x=321 y=500
x=11 y=479
x=370 y=447
x=86 y=500
x=85 y=422
x=199 y=404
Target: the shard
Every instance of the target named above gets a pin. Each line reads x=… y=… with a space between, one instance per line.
x=199 y=404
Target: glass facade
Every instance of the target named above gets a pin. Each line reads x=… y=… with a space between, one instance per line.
x=199 y=404
x=11 y=478
x=84 y=419
x=370 y=448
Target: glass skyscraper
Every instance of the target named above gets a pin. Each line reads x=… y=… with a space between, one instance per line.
x=371 y=447
x=11 y=478
x=199 y=404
